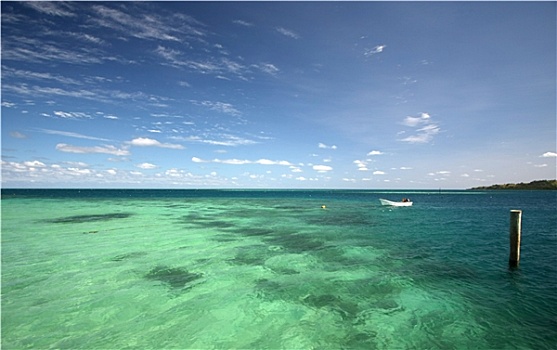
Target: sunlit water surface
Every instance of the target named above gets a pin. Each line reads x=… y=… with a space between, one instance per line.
x=273 y=269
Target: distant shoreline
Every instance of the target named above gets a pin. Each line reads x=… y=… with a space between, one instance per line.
x=534 y=185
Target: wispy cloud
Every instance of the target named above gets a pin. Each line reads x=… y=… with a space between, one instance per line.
x=218 y=106
x=108 y=149
x=425 y=128
x=56 y=8
x=222 y=67
x=71 y=134
x=8 y=72
x=146 y=25
x=242 y=23
x=218 y=140
x=267 y=68
x=25 y=49
x=99 y=95
x=287 y=32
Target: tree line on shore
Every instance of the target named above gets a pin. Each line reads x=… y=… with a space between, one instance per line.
x=534 y=185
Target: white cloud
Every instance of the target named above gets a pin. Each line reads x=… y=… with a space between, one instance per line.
x=425 y=128
x=146 y=166
x=421 y=138
x=77 y=171
x=379 y=172
x=243 y=161
x=414 y=121
x=72 y=115
x=272 y=162
x=442 y=172
x=549 y=154
x=322 y=168
x=362 y=166
x=108 y=149
x=295 y=169
x=147 y=142
x=17 y=135
x=375 y=50
x=324 y=146
x=375 y=153
x=34 y=163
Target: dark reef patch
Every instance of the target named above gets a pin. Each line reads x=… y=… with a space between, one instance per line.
x=217 y=224
x=128 y=256
x=255 y=231
x=175 y=278
x=224 y=238
x=347 y=310
x=202 y=221
x=296 y=243
x=365 y=340
x=342 y=219
x=76 y=219
x=254 y=255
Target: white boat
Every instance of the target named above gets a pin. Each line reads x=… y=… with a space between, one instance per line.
x=395 y=204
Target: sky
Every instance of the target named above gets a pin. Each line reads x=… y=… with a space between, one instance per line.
x=364 y=95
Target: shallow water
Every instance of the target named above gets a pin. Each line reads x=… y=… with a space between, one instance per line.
x=272 y=269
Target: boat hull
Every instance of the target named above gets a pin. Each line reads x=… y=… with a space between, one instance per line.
x=395 y=204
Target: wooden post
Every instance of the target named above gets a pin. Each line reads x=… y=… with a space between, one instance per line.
x=515 y=232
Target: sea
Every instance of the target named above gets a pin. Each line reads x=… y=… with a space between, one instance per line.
x=276 y=269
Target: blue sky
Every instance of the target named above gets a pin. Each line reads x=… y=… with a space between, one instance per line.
x=278 y=94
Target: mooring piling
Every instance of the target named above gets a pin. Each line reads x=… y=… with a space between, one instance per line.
x=515 y=232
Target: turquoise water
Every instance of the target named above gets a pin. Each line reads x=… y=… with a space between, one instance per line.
x=154 y=269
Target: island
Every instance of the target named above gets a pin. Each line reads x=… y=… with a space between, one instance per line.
x=534 y=185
